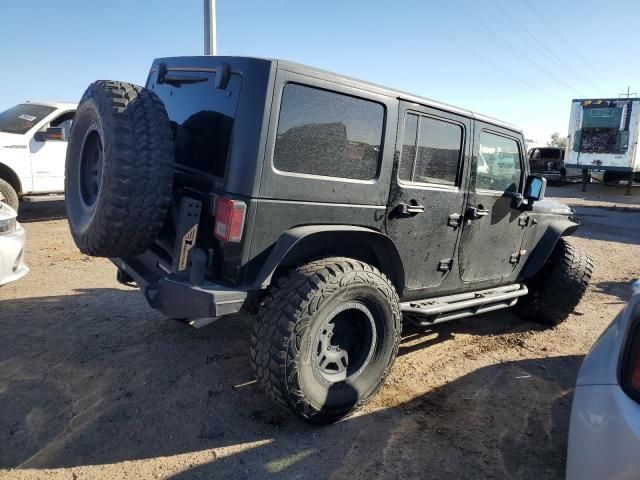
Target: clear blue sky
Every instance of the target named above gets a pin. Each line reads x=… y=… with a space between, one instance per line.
x=492 y=56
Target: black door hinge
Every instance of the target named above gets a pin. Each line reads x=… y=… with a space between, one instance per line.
x=454 y=220
x=515 y=257
x=523 y=221
x=445 y=265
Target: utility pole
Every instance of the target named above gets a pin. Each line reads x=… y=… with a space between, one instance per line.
x=210 y=27
x=631 y=176
x=628 y=95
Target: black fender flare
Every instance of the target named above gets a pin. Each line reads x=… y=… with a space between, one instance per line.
x=542 y=251
x=299 y=244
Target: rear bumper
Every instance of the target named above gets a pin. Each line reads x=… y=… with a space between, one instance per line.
x=574 y=167
x=176 y=296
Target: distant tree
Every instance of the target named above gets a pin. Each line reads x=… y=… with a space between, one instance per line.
x=557 y=141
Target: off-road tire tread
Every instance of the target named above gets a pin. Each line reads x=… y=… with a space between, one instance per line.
x=284 y=317
x=559 y=287
x=137 y=194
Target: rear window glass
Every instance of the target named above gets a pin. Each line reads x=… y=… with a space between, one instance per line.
x=550 y=153
x=201 y=118
x=329 y=134
x=21 y=118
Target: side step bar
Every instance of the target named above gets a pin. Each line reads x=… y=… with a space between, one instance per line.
x=451 y=307
x=47 y=197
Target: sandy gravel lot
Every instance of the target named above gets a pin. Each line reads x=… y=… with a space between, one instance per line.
x=94 y=384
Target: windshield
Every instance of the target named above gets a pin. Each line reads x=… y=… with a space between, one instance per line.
x=21 y=118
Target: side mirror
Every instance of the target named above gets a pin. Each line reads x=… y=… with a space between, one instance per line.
x=53 y=133
x=535 y=188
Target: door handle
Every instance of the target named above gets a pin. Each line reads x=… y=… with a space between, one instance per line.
x=406 y=209
x=474 y=213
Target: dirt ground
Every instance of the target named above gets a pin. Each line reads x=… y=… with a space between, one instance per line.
x=94 y=384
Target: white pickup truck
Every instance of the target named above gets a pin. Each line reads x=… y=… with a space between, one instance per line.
x=33 y=146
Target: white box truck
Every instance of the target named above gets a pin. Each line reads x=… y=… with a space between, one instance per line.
x=603 y=138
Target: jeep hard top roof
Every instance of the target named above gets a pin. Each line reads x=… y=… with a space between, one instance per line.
x=205 y=61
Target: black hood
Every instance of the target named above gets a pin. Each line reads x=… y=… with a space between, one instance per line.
x=549 y=206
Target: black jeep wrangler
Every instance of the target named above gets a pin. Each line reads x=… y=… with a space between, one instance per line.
x=328 y=205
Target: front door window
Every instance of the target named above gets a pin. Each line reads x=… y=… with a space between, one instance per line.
x=498 y=167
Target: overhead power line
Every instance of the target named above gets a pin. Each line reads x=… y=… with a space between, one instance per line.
x=551 y=54
x=517 y=77
x=509 y=72
x=566 y=44
x=479 y=25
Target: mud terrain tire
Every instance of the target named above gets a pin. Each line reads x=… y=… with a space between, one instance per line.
x=285 y=342
x=119 y=169
x=559 y=287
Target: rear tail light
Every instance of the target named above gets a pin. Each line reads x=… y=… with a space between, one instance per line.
x=630 y=365
x=229 y=220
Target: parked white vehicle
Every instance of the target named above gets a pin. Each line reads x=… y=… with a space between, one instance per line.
x=33 y=146
x=12 y=241
x=604 y=435
x=603 y=138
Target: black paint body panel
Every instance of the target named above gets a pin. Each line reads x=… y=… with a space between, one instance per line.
x=286 y=211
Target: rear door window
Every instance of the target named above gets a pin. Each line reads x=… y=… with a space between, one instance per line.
x=431 y=152
x=329 y=134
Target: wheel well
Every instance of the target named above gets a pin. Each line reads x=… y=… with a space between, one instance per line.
x=373 y=248
x=10 y=177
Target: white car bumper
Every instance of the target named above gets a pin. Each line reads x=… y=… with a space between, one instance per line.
x=604 y=437
x=12 y=265
x=604 y=434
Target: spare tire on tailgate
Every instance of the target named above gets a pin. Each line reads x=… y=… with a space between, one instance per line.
x=119 y=169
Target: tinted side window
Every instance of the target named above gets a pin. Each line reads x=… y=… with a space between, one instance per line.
x=433 y=155
x=498 y=166
x=409 y=142
x=329 y=134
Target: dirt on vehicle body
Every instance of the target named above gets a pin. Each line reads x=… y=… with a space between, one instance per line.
x=328 y=205
x=97 y=385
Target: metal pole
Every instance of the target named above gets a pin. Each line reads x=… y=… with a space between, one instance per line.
x=631 y=173
x=210 y=27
